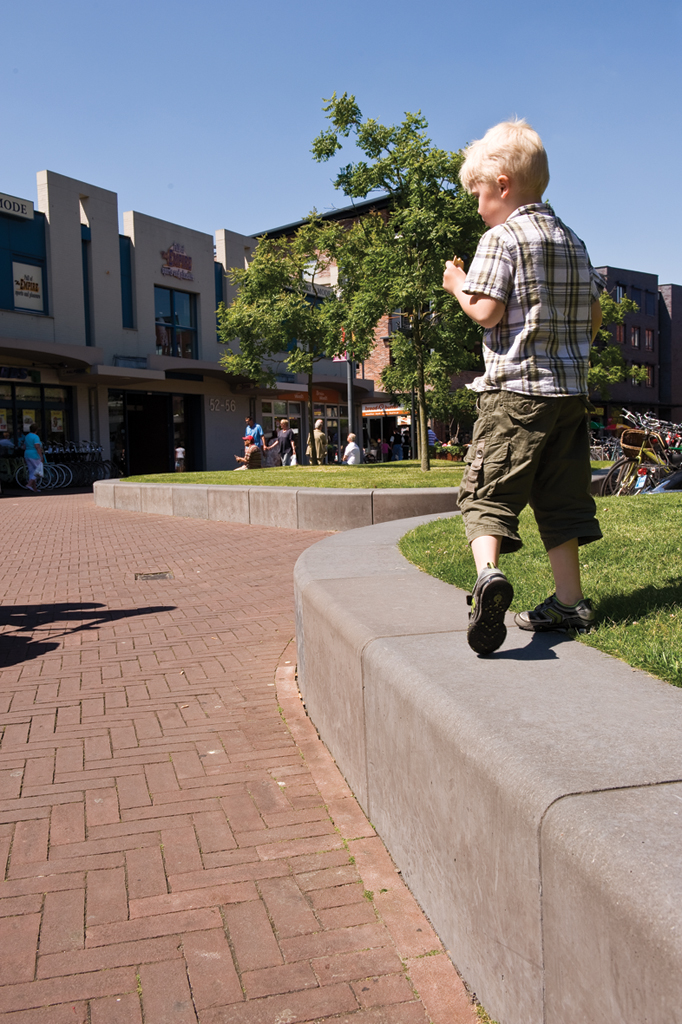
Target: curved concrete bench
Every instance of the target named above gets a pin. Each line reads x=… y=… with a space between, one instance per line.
x=297 y=508
x=532 y=800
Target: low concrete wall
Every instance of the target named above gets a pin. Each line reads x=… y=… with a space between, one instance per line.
x=532 y=800
x=296 y=508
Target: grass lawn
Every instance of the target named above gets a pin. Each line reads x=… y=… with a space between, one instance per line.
x=372 y=475
x=633 y=575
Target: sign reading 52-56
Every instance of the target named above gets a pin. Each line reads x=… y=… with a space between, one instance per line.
x=28 y=287
x=222 y=405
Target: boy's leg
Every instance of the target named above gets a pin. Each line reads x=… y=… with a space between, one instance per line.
x=486 y=550
x=566 y=570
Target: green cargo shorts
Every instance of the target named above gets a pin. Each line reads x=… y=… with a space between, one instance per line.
x=528 y=450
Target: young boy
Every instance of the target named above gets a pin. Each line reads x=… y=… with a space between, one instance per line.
x=532 y=287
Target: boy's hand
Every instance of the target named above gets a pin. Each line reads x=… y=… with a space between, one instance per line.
x=453 y=275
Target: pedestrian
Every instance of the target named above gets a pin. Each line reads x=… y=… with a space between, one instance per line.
x=320 y=439
x=351 y=455
x=431 y=434
x=532 y=287
x=252 y=454
x=255 y=431
x=397 y=448
x=179 y=459
x=287 y=444
x=271 y=452
x=383 y=445
x=35 y=459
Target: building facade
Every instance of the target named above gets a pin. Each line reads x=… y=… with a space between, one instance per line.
x=111 y=337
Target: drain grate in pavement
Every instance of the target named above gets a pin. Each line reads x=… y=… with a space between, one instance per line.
x=168 y=575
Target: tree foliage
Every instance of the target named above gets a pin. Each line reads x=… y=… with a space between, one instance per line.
x=430 y=219
x=284 y=317
x=607 y=365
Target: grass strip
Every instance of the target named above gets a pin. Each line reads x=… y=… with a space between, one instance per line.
x=370 y=475
x=633 y=575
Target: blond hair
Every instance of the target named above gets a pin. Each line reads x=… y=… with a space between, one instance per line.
x=512 y=148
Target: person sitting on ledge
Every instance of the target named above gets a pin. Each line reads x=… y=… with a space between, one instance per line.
x=252 y=456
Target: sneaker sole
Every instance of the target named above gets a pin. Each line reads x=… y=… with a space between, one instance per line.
x=487 y=631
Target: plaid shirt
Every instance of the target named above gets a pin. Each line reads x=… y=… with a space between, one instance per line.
x=541 y=271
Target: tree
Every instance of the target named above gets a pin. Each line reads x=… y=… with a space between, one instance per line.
x=282 y=313
x=607 y=365
x=431 y=218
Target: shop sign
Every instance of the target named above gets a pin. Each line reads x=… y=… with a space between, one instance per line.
x=319 y=395
x=28 y=287
x=380 y=409
x=177 y=263
x=16 y=207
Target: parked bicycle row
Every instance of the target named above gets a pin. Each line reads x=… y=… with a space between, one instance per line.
x=650 y=460
x=57 y=475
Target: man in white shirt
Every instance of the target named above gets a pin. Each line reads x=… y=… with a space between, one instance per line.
x=351 y=455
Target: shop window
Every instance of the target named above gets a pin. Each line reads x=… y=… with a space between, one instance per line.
x=649 y=340
x=175 y=321
x=47 y=407
x=634 y=337
x=620 y=334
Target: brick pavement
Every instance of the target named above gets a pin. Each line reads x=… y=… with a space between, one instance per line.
x=176 y=844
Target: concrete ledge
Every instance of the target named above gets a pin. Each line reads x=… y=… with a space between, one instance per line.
x=528 y=798
x=295 y=508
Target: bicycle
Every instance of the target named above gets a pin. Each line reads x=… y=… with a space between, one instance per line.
x=647 y=460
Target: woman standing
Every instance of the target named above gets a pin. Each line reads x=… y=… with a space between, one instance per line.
x=33 y=453
x=287 y=443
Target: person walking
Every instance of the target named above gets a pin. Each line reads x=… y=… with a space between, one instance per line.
x=254 y=431
x=532 y=287
x=33 y=454
x=320 y=439
x=287 y=443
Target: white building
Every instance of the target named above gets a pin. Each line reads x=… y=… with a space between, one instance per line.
x=112 y=337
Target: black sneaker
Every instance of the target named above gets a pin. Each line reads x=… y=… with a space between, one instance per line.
x=551 y=615
x=492 y=596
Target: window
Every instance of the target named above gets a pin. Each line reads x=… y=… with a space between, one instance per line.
x=620 y=334
x=175 y=317
x=650 y=376
x=635 y=383
x=649 y=340
x=636 y=296
x=620 y=292
x=650 y=304
x=634 y=337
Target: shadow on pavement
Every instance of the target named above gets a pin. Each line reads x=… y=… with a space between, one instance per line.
x=74 y=617
x=538 y=648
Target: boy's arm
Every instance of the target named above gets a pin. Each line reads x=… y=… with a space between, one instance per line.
x=596 y=317
x=481 y=308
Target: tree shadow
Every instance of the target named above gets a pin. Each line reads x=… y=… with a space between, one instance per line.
x=19 y=645
x=638 y=603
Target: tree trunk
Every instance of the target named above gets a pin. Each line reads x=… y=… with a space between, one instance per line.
x=421 y=398
x=311 y=422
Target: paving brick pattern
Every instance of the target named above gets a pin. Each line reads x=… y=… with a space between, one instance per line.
x=176 y=845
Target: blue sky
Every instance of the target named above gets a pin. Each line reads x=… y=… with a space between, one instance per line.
x=202 y=112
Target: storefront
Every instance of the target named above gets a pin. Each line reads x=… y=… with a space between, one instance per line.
x=293 y=405
x=145 y=429
x=25 y=401
x=381 y=421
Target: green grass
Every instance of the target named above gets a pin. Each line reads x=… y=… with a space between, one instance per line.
x=372 y=475
x=633 y=575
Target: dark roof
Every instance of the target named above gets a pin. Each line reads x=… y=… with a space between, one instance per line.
x=345 y=213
